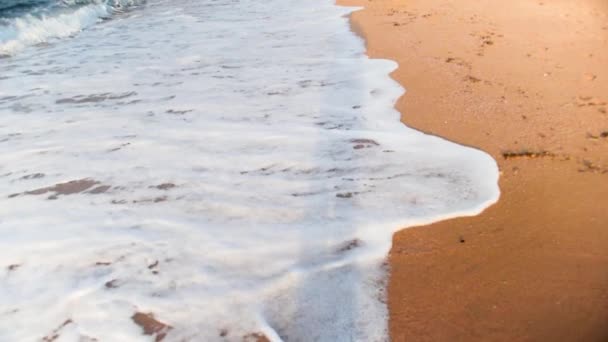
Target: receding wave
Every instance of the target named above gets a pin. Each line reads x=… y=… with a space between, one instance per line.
x=29 y=22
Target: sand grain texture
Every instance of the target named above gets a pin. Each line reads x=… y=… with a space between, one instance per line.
x=526 y=81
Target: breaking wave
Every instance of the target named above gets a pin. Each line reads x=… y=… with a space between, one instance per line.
x=31 y=22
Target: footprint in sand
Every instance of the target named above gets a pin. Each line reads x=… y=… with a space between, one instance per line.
x=589 y=101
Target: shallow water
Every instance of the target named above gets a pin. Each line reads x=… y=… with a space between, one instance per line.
x=230 y=166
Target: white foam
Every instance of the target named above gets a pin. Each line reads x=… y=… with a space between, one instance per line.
x=291 y=168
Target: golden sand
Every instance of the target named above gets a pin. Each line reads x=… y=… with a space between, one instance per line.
x=526 y=81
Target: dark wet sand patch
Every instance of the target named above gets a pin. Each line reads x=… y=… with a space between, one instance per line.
x=10 y=136
x=95 y=98
x=344 y=195
x=349 y=245
x=33 y=176
x=165 y=186
x=151 y=326
x=55 y=333
x=119 y=147
x=145 y=200
x=103 y=263
x=100 y=189
x=255 y=337
x=112 y=284
x=363 y=143
x=178 y=112
x=68 y=188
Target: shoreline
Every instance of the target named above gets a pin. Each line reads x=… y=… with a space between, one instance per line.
x=525 y=82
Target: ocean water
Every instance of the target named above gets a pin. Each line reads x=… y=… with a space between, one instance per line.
x=33 y=22
x=232 y=167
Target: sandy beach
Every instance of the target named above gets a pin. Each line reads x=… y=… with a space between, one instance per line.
x=527 y=82
x=238 y=174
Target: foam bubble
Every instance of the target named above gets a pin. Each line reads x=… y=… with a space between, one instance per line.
x=231 y=167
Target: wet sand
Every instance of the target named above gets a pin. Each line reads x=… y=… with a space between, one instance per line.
x=527 y=82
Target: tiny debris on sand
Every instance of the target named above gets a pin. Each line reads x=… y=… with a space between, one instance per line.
x=526 y=154
x=472 y=79
x=589 y=166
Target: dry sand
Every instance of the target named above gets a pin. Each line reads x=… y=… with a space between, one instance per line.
x=526 y=81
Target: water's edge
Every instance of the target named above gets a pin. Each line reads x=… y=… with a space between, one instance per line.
x=357 y=30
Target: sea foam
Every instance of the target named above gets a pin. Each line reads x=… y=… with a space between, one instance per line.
x=232 y=167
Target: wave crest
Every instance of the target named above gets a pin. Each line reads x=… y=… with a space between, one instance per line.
x=44 y=25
